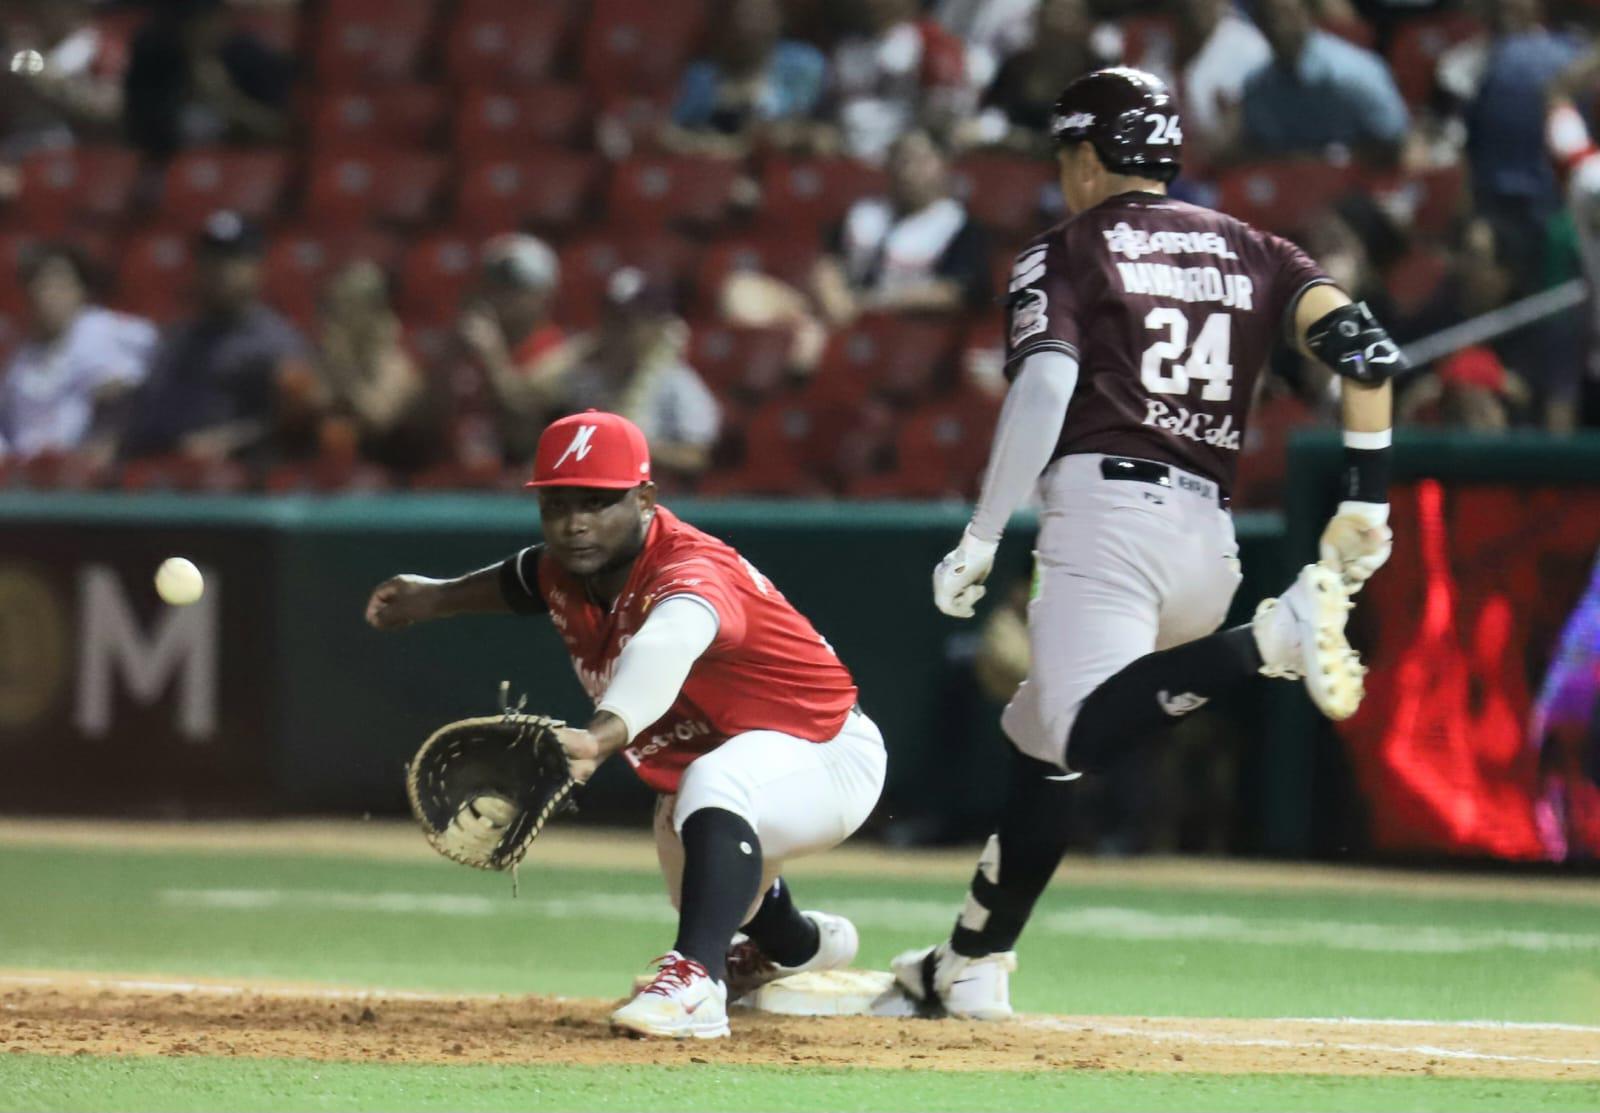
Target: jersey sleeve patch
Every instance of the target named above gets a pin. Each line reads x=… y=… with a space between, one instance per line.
x=1028 y=315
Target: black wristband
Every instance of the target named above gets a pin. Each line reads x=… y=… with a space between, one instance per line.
x=515 y=583
x=1366 y=474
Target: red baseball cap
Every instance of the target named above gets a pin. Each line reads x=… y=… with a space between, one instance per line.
x=591 y=449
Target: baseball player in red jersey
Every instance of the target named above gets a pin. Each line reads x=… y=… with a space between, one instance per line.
x=1138 y=328
x=718 y=693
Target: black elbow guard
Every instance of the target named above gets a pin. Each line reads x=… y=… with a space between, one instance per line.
x=1352 y=342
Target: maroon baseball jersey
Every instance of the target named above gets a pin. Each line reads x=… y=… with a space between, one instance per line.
x=1171 y=311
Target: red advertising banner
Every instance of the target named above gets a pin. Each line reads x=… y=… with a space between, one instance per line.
x=1480 y=734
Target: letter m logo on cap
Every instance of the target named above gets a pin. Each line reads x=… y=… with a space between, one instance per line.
x=580 y=446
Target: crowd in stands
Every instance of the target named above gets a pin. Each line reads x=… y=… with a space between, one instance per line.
x=336 y=244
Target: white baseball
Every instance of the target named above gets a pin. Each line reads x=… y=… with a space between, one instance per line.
x=179 y=582
x=27 y=62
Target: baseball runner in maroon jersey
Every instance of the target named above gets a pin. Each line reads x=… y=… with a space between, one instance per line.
x=715 y=690
x=1137 y=330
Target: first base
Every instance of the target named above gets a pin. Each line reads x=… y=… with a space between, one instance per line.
x=831 y=993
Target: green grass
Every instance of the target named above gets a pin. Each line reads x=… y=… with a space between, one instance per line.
x=1101 y=950
x=39 y=1082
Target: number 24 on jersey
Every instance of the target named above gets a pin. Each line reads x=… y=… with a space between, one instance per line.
x=1207 y=362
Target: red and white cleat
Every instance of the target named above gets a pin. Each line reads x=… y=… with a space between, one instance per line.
x=681 y=1001
x=749 y=968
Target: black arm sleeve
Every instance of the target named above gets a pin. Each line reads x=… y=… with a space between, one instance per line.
x=519 y=581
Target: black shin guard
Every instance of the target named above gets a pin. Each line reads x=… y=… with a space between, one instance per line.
x=721 y=876
x=784 y=936
x=1155 y=691
x=1018 y=861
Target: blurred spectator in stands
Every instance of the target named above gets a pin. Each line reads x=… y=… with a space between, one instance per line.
x=993 y=30
x=1470 y=389
x=372 y=380
x=916 y=250
x=633 y=364
x=754 y=86
x=1504 y=107
x=194 y=78
x=1318 y=92
x=508 y=340
x=1216 y=49
x=72 y=91
x=1020 y=101
x=897 y=71
x=235 y=378
x=62 y=388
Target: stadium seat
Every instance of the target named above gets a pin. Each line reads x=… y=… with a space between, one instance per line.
x=183 y=473
x=781 y=257
x=941 y=449
x=154 y=274
x=638 y=46
x=359 y=41
x=399 y=115
x=781 y=454
x=63 y=187
x=587 y=265
x=1281 y=196
x=1005 y=194
x=198 y=183
x=505 y=41
x=1260 y=481
x=396 y=186
x=803 y=196
x=1417 y=45
x=435 y=274
x=492 y=122
x=740 y=364
x=549 y=189
x=657 y=192
x=894 y=357
x=299 y=261
x=1414 y=279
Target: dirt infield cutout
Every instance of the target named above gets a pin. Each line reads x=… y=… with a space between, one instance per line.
x=78 y=1014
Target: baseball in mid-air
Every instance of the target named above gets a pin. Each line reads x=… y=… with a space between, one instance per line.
x=179 y=582
x=27 y=62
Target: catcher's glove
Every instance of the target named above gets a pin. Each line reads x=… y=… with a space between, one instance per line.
x=484 y=788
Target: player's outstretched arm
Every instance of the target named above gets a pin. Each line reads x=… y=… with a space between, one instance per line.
x=651 y=670
x=402 y=600
x=1357 y=540
x=1030 y=424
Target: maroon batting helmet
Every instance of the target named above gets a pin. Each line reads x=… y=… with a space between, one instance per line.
x=1129 y=117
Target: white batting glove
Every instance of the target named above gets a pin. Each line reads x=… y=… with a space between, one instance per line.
x=958 y=578
x=1357 y=541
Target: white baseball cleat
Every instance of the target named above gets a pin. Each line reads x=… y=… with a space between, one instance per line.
x=749 y=968
x=970 y=988
x=682 y=1000
x=1301 y=637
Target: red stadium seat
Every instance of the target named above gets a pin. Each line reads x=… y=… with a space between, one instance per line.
x=781 y=455
x=1281 y=196
x=638 y=46
x=155 y=273
x=740 y=364
x=801 y=195
x=1414 y=53
x=1261 y=476
x=1415 y=278
x=940 y=450
x=398 y=186
x=505 y=41
x=435 y=275
x=364 y=40
x=1005 y=194
x=498 y=122
x=655 y=192
x=546 y=189
x=401 y=115
x=198 y=183
x=779 y=256
x=586 y=267
x=894 y=357
x=63 y=187
x=298 y=262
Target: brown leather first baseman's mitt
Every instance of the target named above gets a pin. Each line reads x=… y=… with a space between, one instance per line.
x=484 y=788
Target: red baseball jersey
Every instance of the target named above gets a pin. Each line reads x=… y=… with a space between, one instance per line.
x=1171 y=311
x=768 y=668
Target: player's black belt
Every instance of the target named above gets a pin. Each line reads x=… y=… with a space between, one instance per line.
x=1148 y=471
